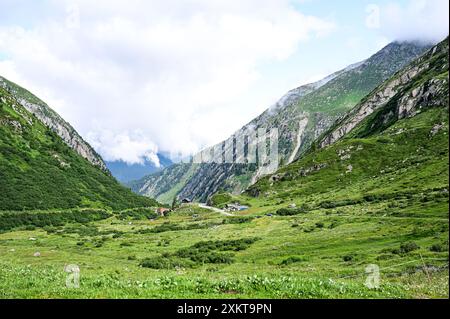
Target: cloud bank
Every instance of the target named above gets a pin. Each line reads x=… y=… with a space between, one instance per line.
x=139 y=77
x=136 y=77
x=423 y=20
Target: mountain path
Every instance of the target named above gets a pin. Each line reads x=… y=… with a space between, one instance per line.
x=215 y=209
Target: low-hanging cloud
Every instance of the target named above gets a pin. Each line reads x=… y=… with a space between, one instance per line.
x=418 y=20
x=174 y=72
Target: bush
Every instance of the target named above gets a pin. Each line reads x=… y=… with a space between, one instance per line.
x=406 y=248
x=347 y=258
x=293 y=211
x=165 y=263
x=167 y=226
x=319 y=225
x=207 y=252
x=237 y=220
x=291 y=260
x=438 y=248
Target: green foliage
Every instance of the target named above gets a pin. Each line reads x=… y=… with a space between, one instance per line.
x=293 y=211
x=292 y=260
x=237 y=220
x=439 y=248
x=167 y=226
x=406 y=248
x=137 y=213
x=220 y=199
x=10 y=220
x=205 y=252
x=39 y=171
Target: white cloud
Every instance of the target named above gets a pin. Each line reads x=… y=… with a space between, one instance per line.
x=177 y=73
x=131 y=147
x=426 y=20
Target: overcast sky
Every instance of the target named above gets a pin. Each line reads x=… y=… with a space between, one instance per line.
x=137 y=77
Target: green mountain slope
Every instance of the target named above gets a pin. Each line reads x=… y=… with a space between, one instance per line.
x=52 y=120
x=38 y=170
x=300 y=117
x=392 y=146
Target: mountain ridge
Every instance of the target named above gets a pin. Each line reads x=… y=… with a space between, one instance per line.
x=40 y=171
x=54 y=121
x=317 y=106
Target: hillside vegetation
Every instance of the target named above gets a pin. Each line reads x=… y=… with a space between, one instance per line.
x=316 y=106
x=38 y=170
x=370 y=197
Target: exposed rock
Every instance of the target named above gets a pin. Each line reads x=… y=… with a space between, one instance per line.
x=300 y=117
x=52 y=120
x=436 y=128
x=408 y=102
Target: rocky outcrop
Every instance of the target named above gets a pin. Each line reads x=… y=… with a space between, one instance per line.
x=53 y=121
x=301 y=116
x=408 y=92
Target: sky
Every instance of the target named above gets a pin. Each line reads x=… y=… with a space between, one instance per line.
x=139 y=77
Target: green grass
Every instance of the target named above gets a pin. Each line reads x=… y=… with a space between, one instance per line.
x=306 y=261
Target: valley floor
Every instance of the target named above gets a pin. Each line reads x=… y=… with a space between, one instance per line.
x=323 y=253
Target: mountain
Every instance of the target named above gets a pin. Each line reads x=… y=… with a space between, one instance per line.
x=45 y=164
x=53 y=121
x=389 y=152
x=125 y=172
x=300 y=116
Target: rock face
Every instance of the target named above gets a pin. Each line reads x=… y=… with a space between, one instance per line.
x=39 y=171
x=394 y=143
x=53 y=121
x=408 y=92
x=301 y=116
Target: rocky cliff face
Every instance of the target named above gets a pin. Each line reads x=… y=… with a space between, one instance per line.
x=301 y=116
x=53 y=121
x=418 y=86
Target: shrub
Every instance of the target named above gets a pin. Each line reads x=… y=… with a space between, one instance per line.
x=319 y=225
x=165 y=263
x=292 y=211
x=207 y=252
x=347 y=258
x=406 y=248
x=167 y=226
x=438 y=248
x=291 y=260
x=237 y=220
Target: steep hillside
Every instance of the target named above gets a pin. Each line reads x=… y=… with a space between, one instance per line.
x=421 y=85
x=38 y=170
x=301 y=116
x=394 y=144
x=53 y=121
